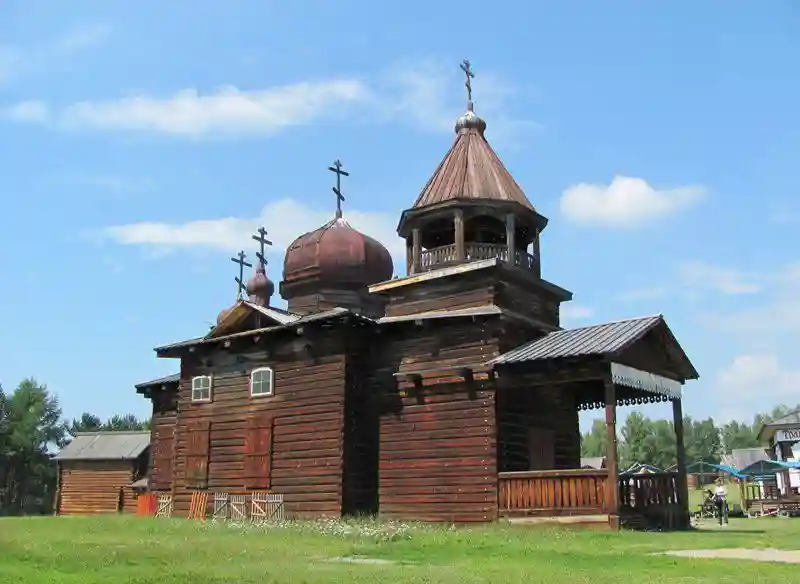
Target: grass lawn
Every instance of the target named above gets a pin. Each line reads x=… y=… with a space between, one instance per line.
x=130 y=550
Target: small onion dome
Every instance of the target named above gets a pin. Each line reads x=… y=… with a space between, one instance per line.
x=224 y=313
x=337 y=254
x=260 y=288
x=470 y=121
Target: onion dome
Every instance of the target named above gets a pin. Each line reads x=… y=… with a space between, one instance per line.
x=336 y=254
x=260 y=288
x=469 y=120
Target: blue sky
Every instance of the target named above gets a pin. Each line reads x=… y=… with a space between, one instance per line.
x=142 y=142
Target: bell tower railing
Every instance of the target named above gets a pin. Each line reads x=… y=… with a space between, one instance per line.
x=445 y=255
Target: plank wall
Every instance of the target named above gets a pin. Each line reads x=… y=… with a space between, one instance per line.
x=537 y=428
x=162 y=437
x=437 y=443
x=94 y=487
x=307 y=419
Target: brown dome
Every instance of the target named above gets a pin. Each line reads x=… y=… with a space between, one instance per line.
x=260 y=288
x=338 y=254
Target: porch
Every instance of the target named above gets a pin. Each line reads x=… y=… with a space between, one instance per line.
x=652 y=501
x=541 y=388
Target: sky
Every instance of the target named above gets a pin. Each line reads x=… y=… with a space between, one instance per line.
x=142 y=143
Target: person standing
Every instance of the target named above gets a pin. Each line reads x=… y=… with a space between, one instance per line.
x=721 y=502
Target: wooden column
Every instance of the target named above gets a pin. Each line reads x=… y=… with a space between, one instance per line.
x=612 y=482
x=537 y=260
x=683 y=485
x=416 y=250
x=409 y=254
x=511 y=242
x=458 y=223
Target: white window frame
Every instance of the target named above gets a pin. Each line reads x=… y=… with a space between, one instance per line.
x=195 y=390
x=271 y=372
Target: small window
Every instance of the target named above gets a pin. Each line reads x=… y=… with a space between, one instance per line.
x=261 y=381
x=201 y=388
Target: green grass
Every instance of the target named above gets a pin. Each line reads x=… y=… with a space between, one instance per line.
x=130 y=550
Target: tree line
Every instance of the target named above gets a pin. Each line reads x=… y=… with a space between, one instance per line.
x=648 y=441
x=32 y=427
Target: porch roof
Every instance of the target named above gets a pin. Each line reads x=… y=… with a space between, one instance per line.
x=602 y=340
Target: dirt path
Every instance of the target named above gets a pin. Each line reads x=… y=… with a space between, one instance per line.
x=762 y=555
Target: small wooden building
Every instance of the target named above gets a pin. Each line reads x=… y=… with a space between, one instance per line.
x=96 y=470
x=448 y=394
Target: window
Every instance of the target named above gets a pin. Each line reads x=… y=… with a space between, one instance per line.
x=261 y=381
x=201 y=388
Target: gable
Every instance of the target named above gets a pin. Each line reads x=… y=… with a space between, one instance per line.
x=658 y=351
x=246 y=315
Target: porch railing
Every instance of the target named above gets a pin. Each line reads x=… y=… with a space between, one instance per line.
x=552 y=492
x=649 y=490
x=582 y=492
x=440 y=256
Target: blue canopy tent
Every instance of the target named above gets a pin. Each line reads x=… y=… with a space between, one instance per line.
x=767 y=468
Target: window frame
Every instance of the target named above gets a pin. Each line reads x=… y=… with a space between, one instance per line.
x=271 y=382
x=202 y=400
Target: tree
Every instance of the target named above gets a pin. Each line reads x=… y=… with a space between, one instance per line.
x=32 y=425
x=702 y=440
x=117 y=423
x=737 y=434
x=86 y=423
x=594 y=442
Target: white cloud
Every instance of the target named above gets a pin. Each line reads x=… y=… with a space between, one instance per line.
x=228 y=111
x=423 y=94
x=626 y=202
x=28 y=111
x=701 y=275
x=232 y=233
x=574 y=312
x=743 y=385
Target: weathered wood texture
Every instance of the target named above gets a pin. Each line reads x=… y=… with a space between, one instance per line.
x=437 y=442
x=652 y=501
x=537 y=428
x=552 y=493
x=162 y=438
x=94 y=487
x=517 y=291
x=309 y=299
x=290 y=442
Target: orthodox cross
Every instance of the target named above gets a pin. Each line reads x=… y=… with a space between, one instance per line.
x=467 y=69
x=239 y=259
x=261 y=238
x=337 y=168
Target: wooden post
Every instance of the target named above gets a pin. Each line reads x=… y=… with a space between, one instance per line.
x=409 y=255
x=416 y=250
x=683 y=485
x=537 y=263
x=612 y=482
x=511 y=243
x=458 y=223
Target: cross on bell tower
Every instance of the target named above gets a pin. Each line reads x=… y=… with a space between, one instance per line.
x=337 y=168
x=467 y=69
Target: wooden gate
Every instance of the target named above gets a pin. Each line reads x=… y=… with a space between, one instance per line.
x=267 y=507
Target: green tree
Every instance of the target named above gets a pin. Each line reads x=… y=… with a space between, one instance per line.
x=594 y=442
x=127 y=422
x=31 y=422
x=736 y=434
x=86 y=423
x=702 y=440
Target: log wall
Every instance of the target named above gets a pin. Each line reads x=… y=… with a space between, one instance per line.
x=437 y=441
x=537 y=428
x=306 y=425
x=94 y=487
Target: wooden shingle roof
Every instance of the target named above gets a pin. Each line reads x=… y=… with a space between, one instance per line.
x=471 y=169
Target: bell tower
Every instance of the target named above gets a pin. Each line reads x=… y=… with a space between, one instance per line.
x=472 y=224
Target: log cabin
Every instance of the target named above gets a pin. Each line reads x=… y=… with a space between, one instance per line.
x=96 y=472
x=449 y=394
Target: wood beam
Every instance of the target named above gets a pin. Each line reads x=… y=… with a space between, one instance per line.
x=612 y=482
x=683 y=485
x=458 y=224
x=416 y=250
x=511 y=243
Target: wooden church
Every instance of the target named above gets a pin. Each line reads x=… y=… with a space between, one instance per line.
x=449 y=394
